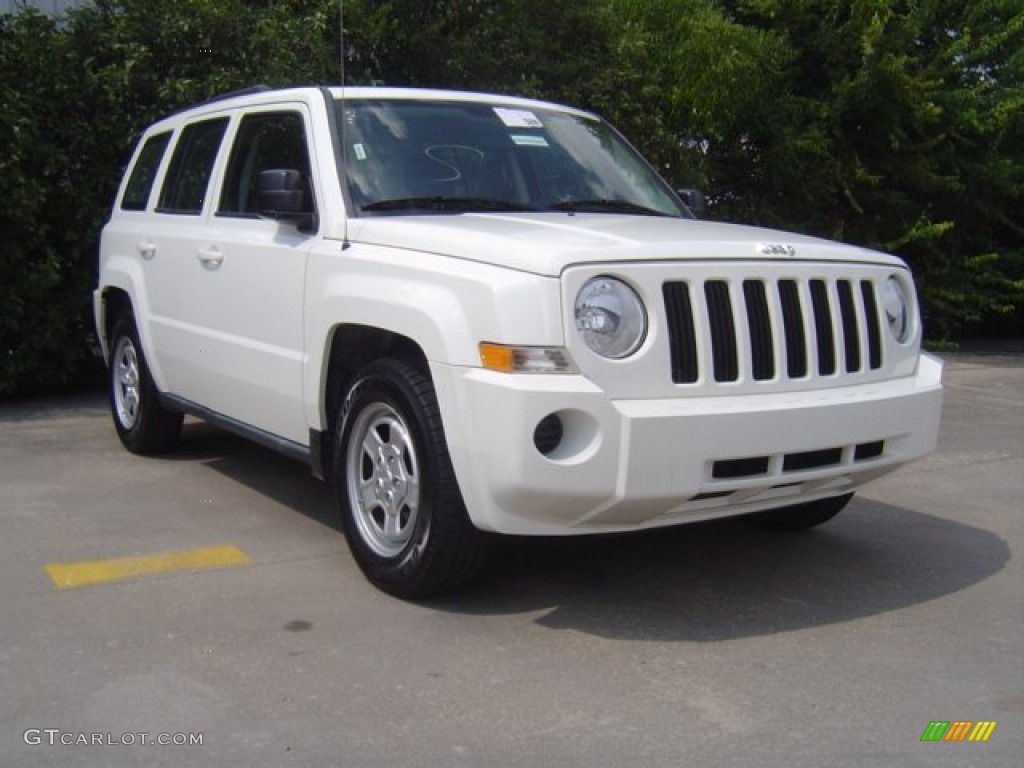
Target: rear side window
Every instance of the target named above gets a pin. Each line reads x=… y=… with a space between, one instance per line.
x=136 y=193
x=188 y=177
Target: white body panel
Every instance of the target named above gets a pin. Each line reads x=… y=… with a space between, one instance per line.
x=548 y=243
x=646 y=463
x=248 y=322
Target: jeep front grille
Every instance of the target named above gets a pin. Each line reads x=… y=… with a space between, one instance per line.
x=768 y=330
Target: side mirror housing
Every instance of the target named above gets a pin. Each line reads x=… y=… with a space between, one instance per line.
x=281 y=194
x=694 y=200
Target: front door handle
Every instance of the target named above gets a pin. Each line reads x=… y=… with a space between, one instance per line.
x=210 y=257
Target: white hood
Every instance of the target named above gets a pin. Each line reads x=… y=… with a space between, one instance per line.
x=548 y=243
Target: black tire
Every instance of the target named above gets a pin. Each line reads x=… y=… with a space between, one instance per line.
x=403 y=514
x=800 y=517
x=144 y=426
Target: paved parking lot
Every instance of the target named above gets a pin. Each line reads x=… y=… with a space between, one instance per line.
x=709 y=645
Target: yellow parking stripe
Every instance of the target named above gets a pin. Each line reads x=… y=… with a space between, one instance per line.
x=68 y=575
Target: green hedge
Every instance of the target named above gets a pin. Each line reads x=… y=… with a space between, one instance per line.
x=896 y=125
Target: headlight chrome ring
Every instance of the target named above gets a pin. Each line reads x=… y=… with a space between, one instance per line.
x=897 y=309
x=610 y=317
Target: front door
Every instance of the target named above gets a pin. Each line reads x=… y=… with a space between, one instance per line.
x=249 y=280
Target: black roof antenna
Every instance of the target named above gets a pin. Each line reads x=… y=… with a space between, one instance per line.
x=341 y=41
x=344 y=117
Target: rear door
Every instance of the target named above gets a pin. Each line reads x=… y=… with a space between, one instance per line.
x=170 y=246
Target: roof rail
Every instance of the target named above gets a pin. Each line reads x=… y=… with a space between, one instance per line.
x=261 y=88
x=221 y=97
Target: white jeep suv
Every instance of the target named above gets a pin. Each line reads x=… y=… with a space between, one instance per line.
x=477 y=314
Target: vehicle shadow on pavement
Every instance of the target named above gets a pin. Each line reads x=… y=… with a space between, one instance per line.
x=726 y=580
x=270 y=474
x=702 y=582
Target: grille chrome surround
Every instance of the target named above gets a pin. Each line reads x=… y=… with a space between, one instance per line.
x=771 y=323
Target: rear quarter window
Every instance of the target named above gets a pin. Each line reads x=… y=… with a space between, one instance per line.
x=140 y=183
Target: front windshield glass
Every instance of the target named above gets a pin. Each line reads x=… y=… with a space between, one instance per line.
x=413 y=157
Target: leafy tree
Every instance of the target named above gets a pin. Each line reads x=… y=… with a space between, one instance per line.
x=48 y=216
x=697 y=91
x=893 y=124
x=74 y=95
x=907 y=124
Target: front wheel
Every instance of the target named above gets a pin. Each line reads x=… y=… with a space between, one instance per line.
x=144 y=426
x=403 y=514
x=800 y=517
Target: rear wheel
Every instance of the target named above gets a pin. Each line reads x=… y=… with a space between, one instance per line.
x=800 y=517
x=403 y=514
x=144 y=426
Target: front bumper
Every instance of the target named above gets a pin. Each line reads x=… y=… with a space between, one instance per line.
x=632 y=464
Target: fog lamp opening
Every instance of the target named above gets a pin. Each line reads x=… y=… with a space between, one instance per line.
x=547 y=436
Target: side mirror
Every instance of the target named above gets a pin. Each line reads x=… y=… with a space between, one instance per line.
x=281 y=194
x=694 y=200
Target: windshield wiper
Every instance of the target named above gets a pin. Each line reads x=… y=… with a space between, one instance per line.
x=445 y=204
x=606 y=206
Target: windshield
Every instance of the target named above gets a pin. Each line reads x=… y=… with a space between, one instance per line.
x=406 y=156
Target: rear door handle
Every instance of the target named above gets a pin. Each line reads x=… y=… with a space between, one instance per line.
x=147 y=249
x=210 y=257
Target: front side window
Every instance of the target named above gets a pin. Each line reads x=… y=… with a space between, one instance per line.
x=136 y=192
x=265 y=141
x=184 y=189
x=409 y=156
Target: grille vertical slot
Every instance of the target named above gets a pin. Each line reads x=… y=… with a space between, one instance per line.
x=762 y=352
x=723 y=331
x=679 y=311
x=793 y=328
x=824 y=332
x=867 y=291
x=851 y=336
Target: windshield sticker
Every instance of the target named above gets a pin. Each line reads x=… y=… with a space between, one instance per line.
x=360 y=151
x=518 y=118
x=529 y=141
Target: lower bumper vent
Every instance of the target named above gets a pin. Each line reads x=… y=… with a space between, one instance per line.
x=758 y=466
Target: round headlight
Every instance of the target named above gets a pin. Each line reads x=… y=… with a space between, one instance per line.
x=610 y=317
x=897 y=309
